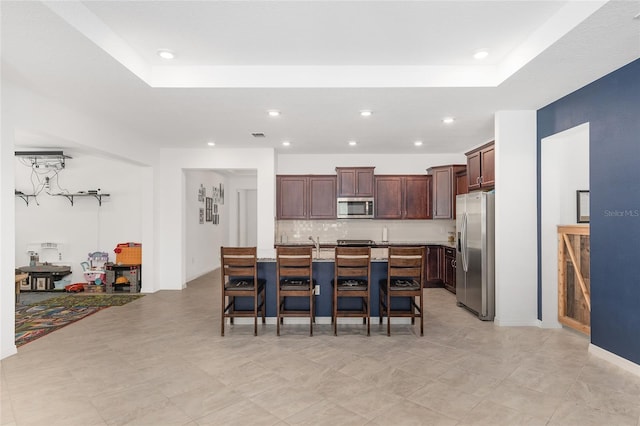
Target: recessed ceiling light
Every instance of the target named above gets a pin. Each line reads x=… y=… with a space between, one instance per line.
x=211 y=143
x=481 y=54
x=418 y=143
x=274 y=113
x=365 y=113
x=637 y=16
x=448 y=120
x=166 y=54
x=352 y=143
x=286 y=143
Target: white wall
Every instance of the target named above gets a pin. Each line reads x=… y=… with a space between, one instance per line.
x=516 y=218
x=7 y=229
x=565 y=169
x=170 y=213
x=203 y=241
x=84 y=227
x=241 y=221
x=250 y=224
x=25 y=113
x=383 y=163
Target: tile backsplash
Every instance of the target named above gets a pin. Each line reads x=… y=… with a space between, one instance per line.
x=299 y=231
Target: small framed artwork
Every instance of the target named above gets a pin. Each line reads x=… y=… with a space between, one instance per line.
x=582 y=206
x=209 y=209
x=201 y=215
x=202 y=192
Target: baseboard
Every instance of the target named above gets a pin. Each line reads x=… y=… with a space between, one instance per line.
x=320 y=320
x=614 y=359
x=549 y=324
x=516 y=323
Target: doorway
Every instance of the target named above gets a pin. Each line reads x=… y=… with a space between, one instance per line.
x=564 y=170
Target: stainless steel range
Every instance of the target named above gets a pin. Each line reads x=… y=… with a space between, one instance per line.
x=356 y=243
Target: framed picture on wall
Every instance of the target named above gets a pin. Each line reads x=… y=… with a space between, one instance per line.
x=582 y=206
x=209 y=209
x=202 y=192
x=201 y=215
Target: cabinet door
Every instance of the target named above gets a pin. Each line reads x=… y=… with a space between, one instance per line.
x=462 y=186
x=442 y=193
x=473 y=170
x=449 y=269
x=291 y=197
x=417 y=197
x=434 y=264
x=355 y=181
x=388 y=197
x=487 y=162
x=364 y=182
x=346 y=182
x=322 y=197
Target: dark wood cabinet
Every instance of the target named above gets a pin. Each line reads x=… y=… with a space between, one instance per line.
x=355 y=181
x=388 y=197
x=481 y=167
x=417 y=197
x=449 y=269
x=305 y=197
x=291 y=197
x=322 y=197
x=433 y=266
x=445 y=190
x=402 y=197
x=462 y=185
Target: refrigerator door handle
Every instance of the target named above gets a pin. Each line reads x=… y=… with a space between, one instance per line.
x=465 y=263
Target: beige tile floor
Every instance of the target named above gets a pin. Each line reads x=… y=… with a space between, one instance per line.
x=161 y=361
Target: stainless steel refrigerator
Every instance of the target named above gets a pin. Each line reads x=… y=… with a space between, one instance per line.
x=475 y=265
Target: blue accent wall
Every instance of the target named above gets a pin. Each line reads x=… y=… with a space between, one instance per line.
x=611 y=105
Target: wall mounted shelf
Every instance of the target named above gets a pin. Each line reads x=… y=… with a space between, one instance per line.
x=70 y=197
x=24 y=196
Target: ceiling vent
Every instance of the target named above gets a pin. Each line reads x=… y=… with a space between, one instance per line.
x=258 y=135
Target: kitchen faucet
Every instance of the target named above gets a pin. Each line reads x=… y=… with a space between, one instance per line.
x=317 y=244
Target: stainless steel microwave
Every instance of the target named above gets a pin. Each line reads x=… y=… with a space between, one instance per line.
x=355 y=208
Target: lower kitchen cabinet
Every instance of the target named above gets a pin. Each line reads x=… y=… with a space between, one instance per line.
x=449 y=269
x=433 y=266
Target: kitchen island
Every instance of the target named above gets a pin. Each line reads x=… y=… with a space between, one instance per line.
x=323 y=270
x=323 y=273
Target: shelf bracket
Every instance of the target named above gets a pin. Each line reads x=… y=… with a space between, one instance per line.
x=68 y=197
x=25 y=197
x=71 y=197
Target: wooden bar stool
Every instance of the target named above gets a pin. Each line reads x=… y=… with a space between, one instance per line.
x=294 y=276
x=239 y=270
x=352 y=276
x=404 y=279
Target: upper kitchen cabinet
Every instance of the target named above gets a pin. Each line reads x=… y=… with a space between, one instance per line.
x=445 y=188
x=402 y=197
x=322 y=197
x=462 y=183
x=355 y=181
x=480 y=167
x=306 y=197
x=291 y=197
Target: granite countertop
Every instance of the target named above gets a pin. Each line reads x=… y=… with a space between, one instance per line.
x=376 y=244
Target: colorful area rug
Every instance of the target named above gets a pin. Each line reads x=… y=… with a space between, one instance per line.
x=101 y=300
x=41 y=318
x=33 y=322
